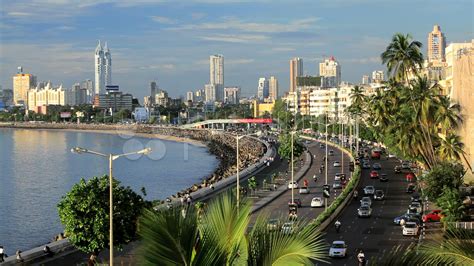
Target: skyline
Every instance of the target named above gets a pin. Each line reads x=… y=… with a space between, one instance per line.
x=165 y=41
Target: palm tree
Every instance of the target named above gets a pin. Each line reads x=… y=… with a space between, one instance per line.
x=402 y=56
x=221 y=237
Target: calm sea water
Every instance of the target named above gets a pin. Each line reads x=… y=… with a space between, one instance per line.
x=37 y=169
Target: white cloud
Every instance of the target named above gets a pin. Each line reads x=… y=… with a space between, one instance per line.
x=283 y=49
x=241 y=61
x=163 y=20
x=235 y=38
x=19 y=14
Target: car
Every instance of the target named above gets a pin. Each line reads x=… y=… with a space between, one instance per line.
x=410 y=229
x=340 y=176
x=366 y=160
x=369 y=190
x=304 y=190
x=364 y=211
x=383 y=178
x=292 y=184
x=415 y=197
x=317 y=202
x=411 y=188
x=397 y=220
x=377 y=166
x=336 y=164
x=297 y=201
x=432 y=216
x=376 y=154
x=366 y=200
x=374 y=174
x=412 y=212
x=321 y=146
x=392 y=155
x=379 y=195
x=416 y=206
x=365 y=166
x=273 y=224
x=406 y=165
x=398 y=169
x=287 y=228
x=331 y=153
x=410 y=177
x=337 y=184
x=338 y=249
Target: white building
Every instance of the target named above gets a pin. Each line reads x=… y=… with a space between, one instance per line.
x=103 y=68
x=262 y=90
x=190 y=96
x=232 y=95
x=273 y=88
x=366 y=80
x=378 y=76
x=322 y=101
x=330 y=70
x=41 y=97
x=141 y=114
x=210 y=93
x=216 y=72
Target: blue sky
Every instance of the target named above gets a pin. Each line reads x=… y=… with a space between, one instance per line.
x=170 y=41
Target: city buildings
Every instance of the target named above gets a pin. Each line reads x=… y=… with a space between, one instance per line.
x=103 y=68
x=45 y=95
x=210 y=92
x=162 y=99
x=232 y=95
x=263 y=89
x=216 y=72
x=22 y=82
x=190 y=96
x=6 y=98
x=378 y=76
x=296 y=70
x=273 y=88
x=153 y=88
x=366 y=80
x=262 y=109
x=330 y=70
x=436 y=45
x=113 y=99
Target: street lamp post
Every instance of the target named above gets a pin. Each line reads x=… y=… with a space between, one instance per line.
x=292 y=170
x=238 y=170
x=111 y=157
x=326 y=158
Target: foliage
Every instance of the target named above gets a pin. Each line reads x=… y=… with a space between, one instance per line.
x=222 y=237
x=84 y=213
x=445 y=176
x=252 y=182
x=451 y=204
x=281 y=114
x=284 y=150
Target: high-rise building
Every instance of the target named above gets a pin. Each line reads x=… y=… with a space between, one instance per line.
x=365 y=79
x=330 y=70
x=296 y=70
x=103 y=68
x=216 y=72
x=232 y=95
x=190 y=96
x=262 y=91
x=41 y=97
x=21 y=84
x=378 y=76
x=153 y=88
x=210 y=93
x=273 y=88
x=436 y=45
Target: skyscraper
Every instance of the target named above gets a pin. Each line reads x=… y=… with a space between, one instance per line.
x=216 y=72
x=436 y=45
x=152 y=92
x=21 y=84
x=103 y=68
x=262 y=91
x=330 y=70
x=365 y=79
x=273 y=88
x=296 y=70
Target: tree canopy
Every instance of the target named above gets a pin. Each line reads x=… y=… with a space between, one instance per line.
x=284 y=150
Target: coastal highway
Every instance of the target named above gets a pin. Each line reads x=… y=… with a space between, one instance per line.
x=375 y=235
x=278 y=208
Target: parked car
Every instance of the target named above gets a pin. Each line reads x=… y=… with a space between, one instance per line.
x=377 y=166
x=432 y=216
x=406 y=165
x=317 y=202
x=398 y=169
x=416 y=206
x=338 y=249
x=392 y=155
x=379 y=195
x=374 y=174
x=297 y=202
x=411 y=188
x=383 y=178
x=336 y=164
x=292 y=184
x=415 y=197
x=364 y=211
x=304 y=190
x=376 y=154
x=410 y=177
x=410 y=229
x=366 y=201
x=369 y=190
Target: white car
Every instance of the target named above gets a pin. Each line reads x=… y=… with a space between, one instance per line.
x=304 y=190
x=364 y=211
x=366 y=201
x=410 y=229
x=416 y=206
x=338 y=249
x=317 y=202
x=392 y=155
x=293 y=184
x=336 y=164
x=369 y=190
x=287 y=228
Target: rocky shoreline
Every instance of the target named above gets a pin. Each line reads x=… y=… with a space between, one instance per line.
x=220 y=144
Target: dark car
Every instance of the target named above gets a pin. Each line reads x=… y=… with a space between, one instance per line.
x=383 y=178
x=297 y=202
x=415 y=197
x=398 y=169
x=411 y=188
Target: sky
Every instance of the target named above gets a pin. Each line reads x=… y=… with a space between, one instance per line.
x=170 y=41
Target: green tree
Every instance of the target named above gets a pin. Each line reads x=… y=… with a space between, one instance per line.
x=284 y=150
x=252 y=183
x=443 y=176
x=281 y=114
x=222 y=237
x=402 y=56
x=451 y=203
x=84 y=213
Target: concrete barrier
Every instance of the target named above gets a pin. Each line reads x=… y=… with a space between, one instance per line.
x=32 y=255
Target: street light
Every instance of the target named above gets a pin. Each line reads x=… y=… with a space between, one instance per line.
x=238 y=170
x=326 y=158
x=292 y=169
x=111 y=157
